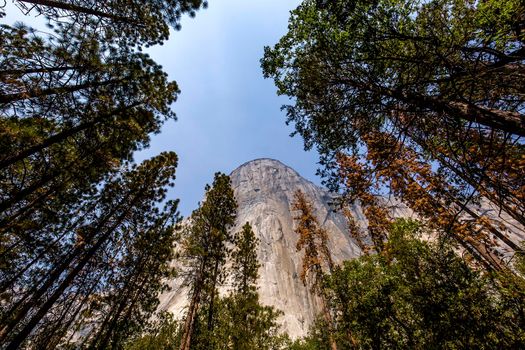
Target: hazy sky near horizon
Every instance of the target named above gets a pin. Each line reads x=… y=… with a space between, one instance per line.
x=227 y=112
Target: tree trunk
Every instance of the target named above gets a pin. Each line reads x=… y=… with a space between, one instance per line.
x=35 y=319
x=329 y=321
x=79 y=9
x=190 y=320
x=189 y=323
x=212 y=297
x=53 y=277
x=33 y=93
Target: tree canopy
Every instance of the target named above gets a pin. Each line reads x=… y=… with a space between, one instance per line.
x=417 y=294
x=85 y=233
x=127 y=22
x=422 y=99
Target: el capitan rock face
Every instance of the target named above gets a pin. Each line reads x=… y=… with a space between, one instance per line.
x=264 y=189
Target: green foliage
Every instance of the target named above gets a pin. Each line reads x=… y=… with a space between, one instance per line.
x=519 y=260
x=245 y=265
x=163 y=334
x=420 y=295
x=239 y=321
x=245 y=323
x=205 y=249
x=84 y=240
x=318 y=338
x=206 y=238
x=129 y=22
x=346 y=61
x=439 y=77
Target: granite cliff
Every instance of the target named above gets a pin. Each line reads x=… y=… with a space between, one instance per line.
x=264 y=190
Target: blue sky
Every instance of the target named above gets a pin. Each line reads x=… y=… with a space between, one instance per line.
x=227 y=113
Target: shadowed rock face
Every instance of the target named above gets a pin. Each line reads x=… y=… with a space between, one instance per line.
x=264 y=189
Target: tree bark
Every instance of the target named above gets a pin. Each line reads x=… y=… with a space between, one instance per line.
x=33 y=93
x=79 y=9
x=190 y=319
x=193 y=308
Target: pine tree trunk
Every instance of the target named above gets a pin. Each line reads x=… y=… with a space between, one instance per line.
x=35 y=319
x=212 y=298
x=54 y=276
x=193 y=308
x=190 y=320
x=79 y=9
x=34 y=93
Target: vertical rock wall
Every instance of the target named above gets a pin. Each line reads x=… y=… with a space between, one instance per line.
x=264 y=189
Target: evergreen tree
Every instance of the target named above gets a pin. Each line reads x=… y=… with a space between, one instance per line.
x=129 y=21
x=84 y=244
x=164 y=334
x=245 y=265
x=205 y=248
x=113 y=249
x=241 y=321
x=418 y=294
x=243 y=303
x=399 y=92
x=57 y=146
x=313 y=239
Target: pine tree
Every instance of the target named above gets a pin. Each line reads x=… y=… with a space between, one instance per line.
x=205 y=248
x=376 y=84
x=314 y=240
x=58 y=146
x=244 y=297
x=242 y=322
x=94 y=259
x=130 y=21
x=245 y=264
x=80 y=224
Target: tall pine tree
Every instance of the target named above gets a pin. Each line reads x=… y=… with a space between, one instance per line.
x=317 y=260
x=112 y=248
x=205 y=250
x=240 y=321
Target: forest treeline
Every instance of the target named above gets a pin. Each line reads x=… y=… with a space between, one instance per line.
x=422 y=100
x=86 y=235
x=415 y=293
x=213 y=257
